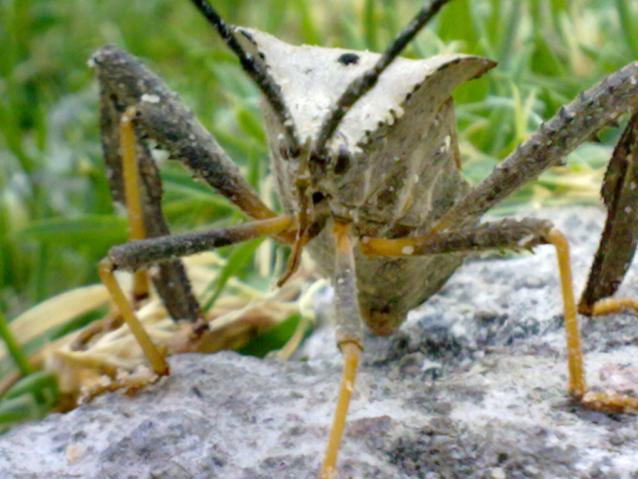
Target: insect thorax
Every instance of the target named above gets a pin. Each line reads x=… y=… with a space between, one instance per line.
x=391 y=168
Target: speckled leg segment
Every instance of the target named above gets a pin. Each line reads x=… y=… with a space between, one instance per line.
x=349 y=338
x=518 y=234
x=155 y=112
x=572 y=125
x=620 y=236
x=137 y=254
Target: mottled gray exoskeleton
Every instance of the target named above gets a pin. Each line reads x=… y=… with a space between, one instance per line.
x=364 y=150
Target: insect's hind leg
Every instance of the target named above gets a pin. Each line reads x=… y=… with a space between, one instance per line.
x=620 y=235
x=162 y=117
x=135 y=182
x=124 y=84
x=519 y=234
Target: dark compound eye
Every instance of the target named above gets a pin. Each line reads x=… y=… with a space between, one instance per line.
x=343 y=161
x=348 y=59
x=317 y=197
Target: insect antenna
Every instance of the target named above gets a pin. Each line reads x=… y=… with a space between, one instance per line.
x=258 y=73
x=360 y=86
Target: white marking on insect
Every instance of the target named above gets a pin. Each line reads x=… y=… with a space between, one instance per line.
x=150 y=98
x=525 y=240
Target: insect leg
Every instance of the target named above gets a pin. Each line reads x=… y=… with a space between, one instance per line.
x=162 y=117
x=572 y=125
x=136 y=254
x=137 y=230
x=129 y=163
x=349 y=339
x=620 y=235
x=605 y=401
x=516 y=234
x=125 y=83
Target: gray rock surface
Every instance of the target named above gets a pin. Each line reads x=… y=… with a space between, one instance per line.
x=472 y=386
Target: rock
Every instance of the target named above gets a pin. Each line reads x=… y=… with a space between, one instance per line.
x=473 y=385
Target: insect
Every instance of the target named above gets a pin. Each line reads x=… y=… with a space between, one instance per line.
x=381 y=206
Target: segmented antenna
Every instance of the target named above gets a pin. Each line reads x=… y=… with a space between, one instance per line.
x=256 y=71
x=360 y=86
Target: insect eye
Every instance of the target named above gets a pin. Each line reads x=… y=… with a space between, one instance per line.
x=348 y=59
x=317 y=197
x=343 y=161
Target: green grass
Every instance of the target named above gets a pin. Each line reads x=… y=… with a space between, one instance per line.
x=56 y=217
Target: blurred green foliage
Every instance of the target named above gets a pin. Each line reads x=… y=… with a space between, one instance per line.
x=56 y=216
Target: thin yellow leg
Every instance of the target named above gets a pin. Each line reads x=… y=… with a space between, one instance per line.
x=130 y=172
x=577 y=386
x=294 y=260
x=614 y=305
x=602 y=401
x=351 y=354
x=155 y=358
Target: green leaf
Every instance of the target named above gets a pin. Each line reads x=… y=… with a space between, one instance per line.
x=13 y=347
x=238 y=259
x=273 y=339
x=627 y=18
x=18 y=409
x=41 y=383
x=84 y=229
x=370 y=23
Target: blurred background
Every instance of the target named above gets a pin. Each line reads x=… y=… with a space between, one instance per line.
x=56 y=216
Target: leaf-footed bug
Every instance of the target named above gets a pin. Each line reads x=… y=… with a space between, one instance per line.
x=382 y=207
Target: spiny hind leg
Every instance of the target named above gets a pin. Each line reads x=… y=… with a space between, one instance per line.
x=573 y=124
x=126 y=83
x=516 y=234
x=620 y=235
x=142 y=197
x=136 y=104
x=135 y=182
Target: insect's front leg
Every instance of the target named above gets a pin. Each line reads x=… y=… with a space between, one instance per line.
x=520 y=234
x=137 y=254
x=349 y=337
